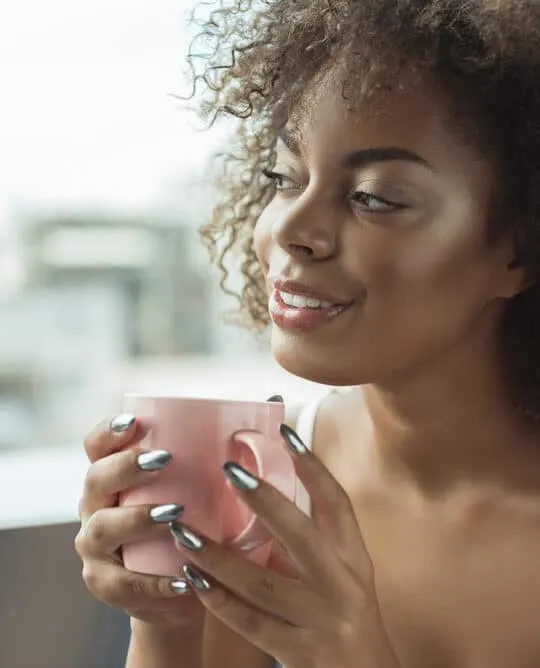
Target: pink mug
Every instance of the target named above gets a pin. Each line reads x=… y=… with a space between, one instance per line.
x=201 y=435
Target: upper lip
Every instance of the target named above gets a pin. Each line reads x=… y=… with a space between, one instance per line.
x=297 y=288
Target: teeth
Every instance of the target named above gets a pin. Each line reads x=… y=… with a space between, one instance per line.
x=297 y=301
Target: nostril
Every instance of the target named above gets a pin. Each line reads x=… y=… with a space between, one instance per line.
x=298 y=249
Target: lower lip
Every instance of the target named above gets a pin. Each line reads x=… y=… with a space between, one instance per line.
x=301 y=319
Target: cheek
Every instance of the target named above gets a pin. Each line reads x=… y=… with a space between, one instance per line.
x=422 y=293
x=441 y=274
x=443 y=253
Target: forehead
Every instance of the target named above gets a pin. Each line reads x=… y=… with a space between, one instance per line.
x=331 y=106
x=411 y=113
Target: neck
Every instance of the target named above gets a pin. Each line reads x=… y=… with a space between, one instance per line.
x=452 y=421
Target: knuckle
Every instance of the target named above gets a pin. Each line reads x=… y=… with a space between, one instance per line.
x=91 y=578
x=92 y=482
x=262 y=589
x=250 y=623
x=345 y=629
x=102 y=585
x=96 y=529
x=80 y=542
x=136 y=587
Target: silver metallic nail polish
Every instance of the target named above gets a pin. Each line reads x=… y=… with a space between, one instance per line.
x=154 y=460
x=241 y=478
x=196 y=578
x=166 y=514
x=276 y=399
x=186 y=537
x=121 y=423
x=180 y=587
x=293 y=441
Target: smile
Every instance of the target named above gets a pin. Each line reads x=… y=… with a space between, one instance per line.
x=301 y=313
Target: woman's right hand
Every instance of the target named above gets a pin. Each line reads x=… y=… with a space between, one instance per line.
x=162 y=601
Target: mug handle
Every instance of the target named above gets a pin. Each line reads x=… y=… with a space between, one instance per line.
x=272 y=462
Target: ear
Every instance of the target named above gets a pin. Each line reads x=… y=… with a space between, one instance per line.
x=512 y=278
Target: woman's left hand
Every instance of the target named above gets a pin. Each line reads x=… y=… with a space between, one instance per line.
x=328 y=615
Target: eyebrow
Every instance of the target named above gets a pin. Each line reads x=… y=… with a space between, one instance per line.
x=362 y=157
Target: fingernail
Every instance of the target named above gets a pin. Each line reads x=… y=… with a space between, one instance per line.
x=276 y=399
x=186 y=537
x=180 y=587
x=165 y=514
x=293 y=441
x=196 y=578
x=154 y=461
x=121 y=423
x=241 y=478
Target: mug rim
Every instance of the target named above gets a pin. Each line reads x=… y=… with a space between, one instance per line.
x=214 y=400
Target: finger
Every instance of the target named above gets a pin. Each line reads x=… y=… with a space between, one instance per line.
x=118 y=587
x=260 y=629
x=332 y=506
x=110 y=475
x=280 y=561
x=108 y=529
x=288 y=599
x=111 y=435
x=312 y=553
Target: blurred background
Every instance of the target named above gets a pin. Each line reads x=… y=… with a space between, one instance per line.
x=104 y=287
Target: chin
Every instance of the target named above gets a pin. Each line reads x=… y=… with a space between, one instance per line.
x=311 y=364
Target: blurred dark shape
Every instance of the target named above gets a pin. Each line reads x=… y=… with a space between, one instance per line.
x=47 y=617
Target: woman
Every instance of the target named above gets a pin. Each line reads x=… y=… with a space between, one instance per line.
x=385 y=193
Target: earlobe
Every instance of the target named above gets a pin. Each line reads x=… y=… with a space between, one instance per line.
x=514 y=280
x=514 y=277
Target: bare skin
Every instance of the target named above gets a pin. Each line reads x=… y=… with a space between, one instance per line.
x=454 y=553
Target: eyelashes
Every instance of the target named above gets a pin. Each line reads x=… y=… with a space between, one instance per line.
x=379 y=204
x=278 y=179
x=360 y=199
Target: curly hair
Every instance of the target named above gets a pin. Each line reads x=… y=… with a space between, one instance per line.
x=253 y=60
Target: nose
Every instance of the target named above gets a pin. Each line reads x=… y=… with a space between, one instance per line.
x=308 y=229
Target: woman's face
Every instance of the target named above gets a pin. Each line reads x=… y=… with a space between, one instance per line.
x=380 y=221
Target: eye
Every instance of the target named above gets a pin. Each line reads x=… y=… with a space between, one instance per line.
x=375 y=204
x=282 y=182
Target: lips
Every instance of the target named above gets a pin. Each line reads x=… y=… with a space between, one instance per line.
x=296 y=307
